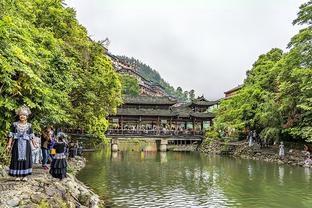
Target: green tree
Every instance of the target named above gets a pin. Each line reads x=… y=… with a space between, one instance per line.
x=276 y=98
x=48 y=62
x=129 y=85
x=179 y=92
x=296 y=79
x=192 y=94
x=185 y=95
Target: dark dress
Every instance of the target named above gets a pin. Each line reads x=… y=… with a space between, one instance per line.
x=21 y=160
x=59 y=164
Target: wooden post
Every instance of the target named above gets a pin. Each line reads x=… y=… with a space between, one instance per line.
x=122 y=126
x=158 y=125
x=139 y=124
x=193 y=125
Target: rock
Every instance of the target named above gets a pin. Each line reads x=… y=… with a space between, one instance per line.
x=280 y=162
x=84 y=199
x=94 y=201
x=31 y=205
x=37 y=198
x=72 y=189
x=52 y=191
x=71 y=204
x=13 y=202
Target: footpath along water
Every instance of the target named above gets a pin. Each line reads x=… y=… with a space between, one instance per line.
x=175 y=179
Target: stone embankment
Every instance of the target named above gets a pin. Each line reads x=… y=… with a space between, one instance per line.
x=42 y=190
x=182 y=148
x=269 y=154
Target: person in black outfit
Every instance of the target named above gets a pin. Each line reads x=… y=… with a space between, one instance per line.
x=20 y=136
x=72 y=149
x=59 y=164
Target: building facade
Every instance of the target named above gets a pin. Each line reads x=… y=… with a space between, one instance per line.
x=146 y=87
x=144 y=115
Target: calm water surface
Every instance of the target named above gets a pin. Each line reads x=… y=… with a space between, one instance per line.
x=138 y=179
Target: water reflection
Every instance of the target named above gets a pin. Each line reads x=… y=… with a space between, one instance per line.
x=307 y=174
x=150 y=179
x=114 y=156
x=163 y=157
x=281 y=171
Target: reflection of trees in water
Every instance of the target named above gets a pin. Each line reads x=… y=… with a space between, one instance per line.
x=240 y=181
x=267 y=184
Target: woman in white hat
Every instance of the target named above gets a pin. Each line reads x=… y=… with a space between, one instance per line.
x=20 y=136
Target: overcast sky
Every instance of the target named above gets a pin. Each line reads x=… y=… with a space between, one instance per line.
x=205 y=45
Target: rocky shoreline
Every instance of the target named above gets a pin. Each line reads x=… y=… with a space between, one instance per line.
x=241 y=149
x=42 y=190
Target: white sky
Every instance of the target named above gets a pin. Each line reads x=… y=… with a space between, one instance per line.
x=205 y=45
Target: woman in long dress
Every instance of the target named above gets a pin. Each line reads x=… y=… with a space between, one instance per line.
x=20 y=136
x=59 y=164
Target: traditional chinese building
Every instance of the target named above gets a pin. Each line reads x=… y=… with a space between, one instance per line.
x=144 y=115
x=146 y=87
x=232 y=91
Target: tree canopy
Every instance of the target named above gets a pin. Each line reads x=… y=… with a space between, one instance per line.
x=276 y=97
x=130 y=85
x=48 y=62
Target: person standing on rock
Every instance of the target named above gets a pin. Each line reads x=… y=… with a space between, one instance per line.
x=250 y=142
x=36 y=150
x=45 y=139
x=20 y=136
x=58 y=167
x=281 y=150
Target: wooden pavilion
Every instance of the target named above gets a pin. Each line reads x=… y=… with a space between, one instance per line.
x=145 y=115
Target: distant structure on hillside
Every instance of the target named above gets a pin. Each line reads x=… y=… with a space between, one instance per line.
x=146 y=87
x=232 y=91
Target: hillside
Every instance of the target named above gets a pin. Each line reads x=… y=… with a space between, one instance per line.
x=152 y=75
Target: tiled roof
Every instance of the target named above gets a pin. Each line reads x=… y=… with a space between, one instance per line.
x=148 y=100
x=144 y=112
x=233 y=89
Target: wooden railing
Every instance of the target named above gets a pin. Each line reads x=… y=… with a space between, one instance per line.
x=142 y=132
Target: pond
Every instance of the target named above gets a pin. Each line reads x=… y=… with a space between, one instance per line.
x=187 y=179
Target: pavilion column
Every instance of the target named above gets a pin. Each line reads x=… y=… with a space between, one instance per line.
x=139 y=124
x=202 y=125
x=170 y=123
x=158 y=125
x=185 y=125
x=193 y=125
x=122 y=125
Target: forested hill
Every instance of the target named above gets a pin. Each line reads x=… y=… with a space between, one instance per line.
x=152 y=75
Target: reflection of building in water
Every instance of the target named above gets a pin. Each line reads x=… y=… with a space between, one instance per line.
x=163 y=157
x=114 y=156
x=250 y=171
x=281 y=172
x=307 y=174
